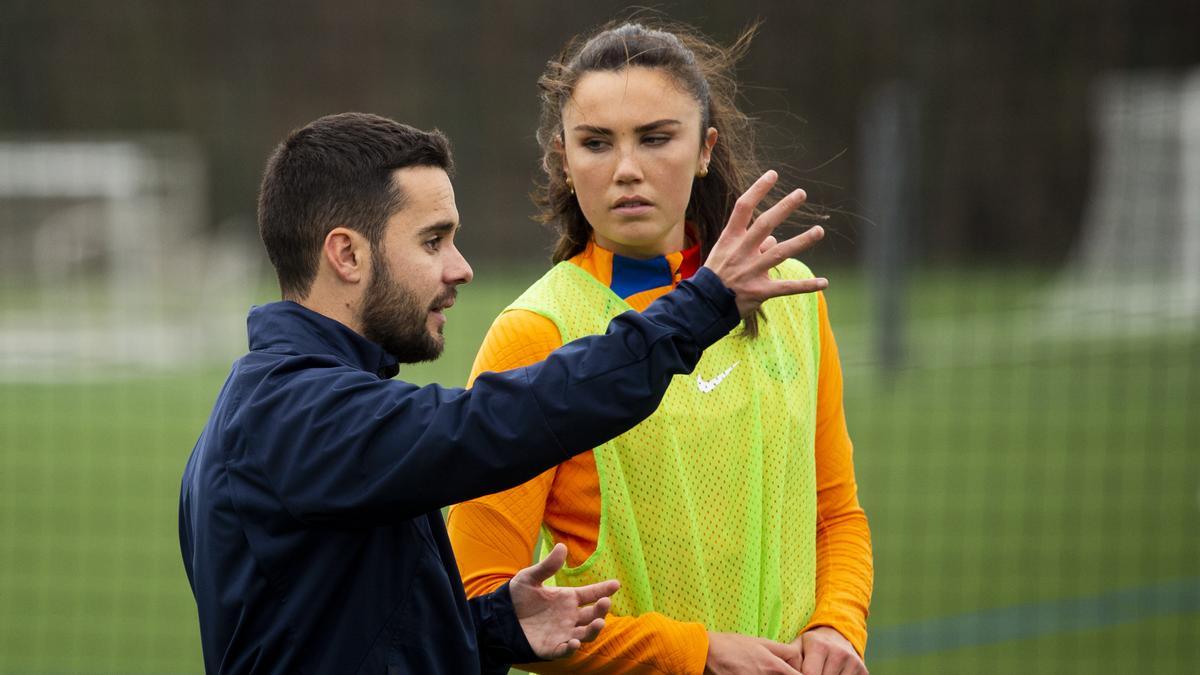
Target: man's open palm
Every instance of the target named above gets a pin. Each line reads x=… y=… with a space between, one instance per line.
x=556 y=621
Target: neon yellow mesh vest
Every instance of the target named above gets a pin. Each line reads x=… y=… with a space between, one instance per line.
x=708 y=508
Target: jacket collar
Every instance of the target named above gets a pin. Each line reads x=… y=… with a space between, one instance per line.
x=286 y=327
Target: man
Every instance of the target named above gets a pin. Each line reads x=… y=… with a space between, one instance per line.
x=309 y=520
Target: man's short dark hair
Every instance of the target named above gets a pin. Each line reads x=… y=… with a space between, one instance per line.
x=336 y=171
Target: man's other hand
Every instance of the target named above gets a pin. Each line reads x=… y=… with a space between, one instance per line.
x=558 y=620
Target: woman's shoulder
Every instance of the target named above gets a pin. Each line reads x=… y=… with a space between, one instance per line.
x=517 y=338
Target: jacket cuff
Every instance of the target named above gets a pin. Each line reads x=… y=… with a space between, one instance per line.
x=501 y=640
x=722 y=315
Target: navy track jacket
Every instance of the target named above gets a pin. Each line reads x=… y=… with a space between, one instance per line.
x=309 y=511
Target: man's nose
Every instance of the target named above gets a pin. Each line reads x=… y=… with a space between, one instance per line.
x=458 y=270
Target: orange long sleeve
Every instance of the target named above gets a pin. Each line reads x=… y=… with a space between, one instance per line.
x=845 y=567
x=494 y=536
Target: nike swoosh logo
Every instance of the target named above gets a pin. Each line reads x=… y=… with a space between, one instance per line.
x=708 y=385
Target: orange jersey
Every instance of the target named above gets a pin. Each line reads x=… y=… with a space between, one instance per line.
x=494 y=536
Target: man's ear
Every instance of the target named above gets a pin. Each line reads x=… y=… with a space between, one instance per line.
x=347 y=253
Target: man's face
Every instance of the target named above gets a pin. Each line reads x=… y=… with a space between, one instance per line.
x=414 y=274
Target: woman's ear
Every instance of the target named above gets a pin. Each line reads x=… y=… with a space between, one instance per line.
x=562 y=152
x=710 y=141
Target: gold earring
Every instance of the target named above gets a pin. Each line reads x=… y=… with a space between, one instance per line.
x=703 y=171
x=570 y=185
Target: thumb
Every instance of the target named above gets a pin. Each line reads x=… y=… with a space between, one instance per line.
x=545 y=568
x=790 y=652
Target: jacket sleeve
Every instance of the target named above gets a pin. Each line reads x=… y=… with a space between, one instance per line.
x=498 y=633
x=338 y=445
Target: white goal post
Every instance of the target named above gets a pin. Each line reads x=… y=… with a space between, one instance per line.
x=1136 y=264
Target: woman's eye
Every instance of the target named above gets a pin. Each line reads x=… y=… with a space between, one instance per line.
x=594 y=144
x=656 y=140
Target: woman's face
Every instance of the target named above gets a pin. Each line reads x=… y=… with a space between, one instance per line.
x=632 y=148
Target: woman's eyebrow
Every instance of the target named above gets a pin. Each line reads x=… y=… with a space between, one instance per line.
x=656 y=125
x=650 y=126
x=588 y=128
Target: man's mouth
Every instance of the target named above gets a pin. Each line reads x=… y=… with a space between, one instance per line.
x=443 y=303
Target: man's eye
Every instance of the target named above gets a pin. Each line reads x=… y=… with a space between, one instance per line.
x=434 y=244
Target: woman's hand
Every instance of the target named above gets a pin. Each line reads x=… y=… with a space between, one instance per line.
x=824 y=651
x=746 y=251
x=730 y=653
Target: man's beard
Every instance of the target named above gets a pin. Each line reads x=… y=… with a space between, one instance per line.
x=394 y=319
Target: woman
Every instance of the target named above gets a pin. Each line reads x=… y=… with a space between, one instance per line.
x=731 y=515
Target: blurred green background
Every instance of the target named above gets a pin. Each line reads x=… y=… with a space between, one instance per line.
x=1015 y=290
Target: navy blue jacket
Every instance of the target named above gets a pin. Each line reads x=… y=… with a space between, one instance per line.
x=309 y=511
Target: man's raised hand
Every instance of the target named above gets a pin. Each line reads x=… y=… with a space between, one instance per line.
x=746 y=251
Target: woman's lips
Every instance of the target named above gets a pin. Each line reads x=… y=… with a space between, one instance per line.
x=632 y=206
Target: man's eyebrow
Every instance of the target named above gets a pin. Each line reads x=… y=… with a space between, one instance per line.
x=439 y=228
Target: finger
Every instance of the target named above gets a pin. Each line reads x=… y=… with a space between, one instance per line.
x=586 y=595
x=797 y=656
x=772 y=217
x=767 y=243
x=794 y=246
x=853 y=666
x=565 y=649
x=814 y=662
x=589 y=632
x=781 y=287
x=836 y=663
x=789 y=248
x=787 y=651
x=779 y=665
x=743 y=208
x=593 y=612
x=545 y=568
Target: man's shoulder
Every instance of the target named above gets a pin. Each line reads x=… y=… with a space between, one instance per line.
x=263 y=374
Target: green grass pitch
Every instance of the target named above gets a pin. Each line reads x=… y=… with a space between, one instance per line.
x=1005 y=473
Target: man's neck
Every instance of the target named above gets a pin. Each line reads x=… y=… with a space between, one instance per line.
x=340 y=307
